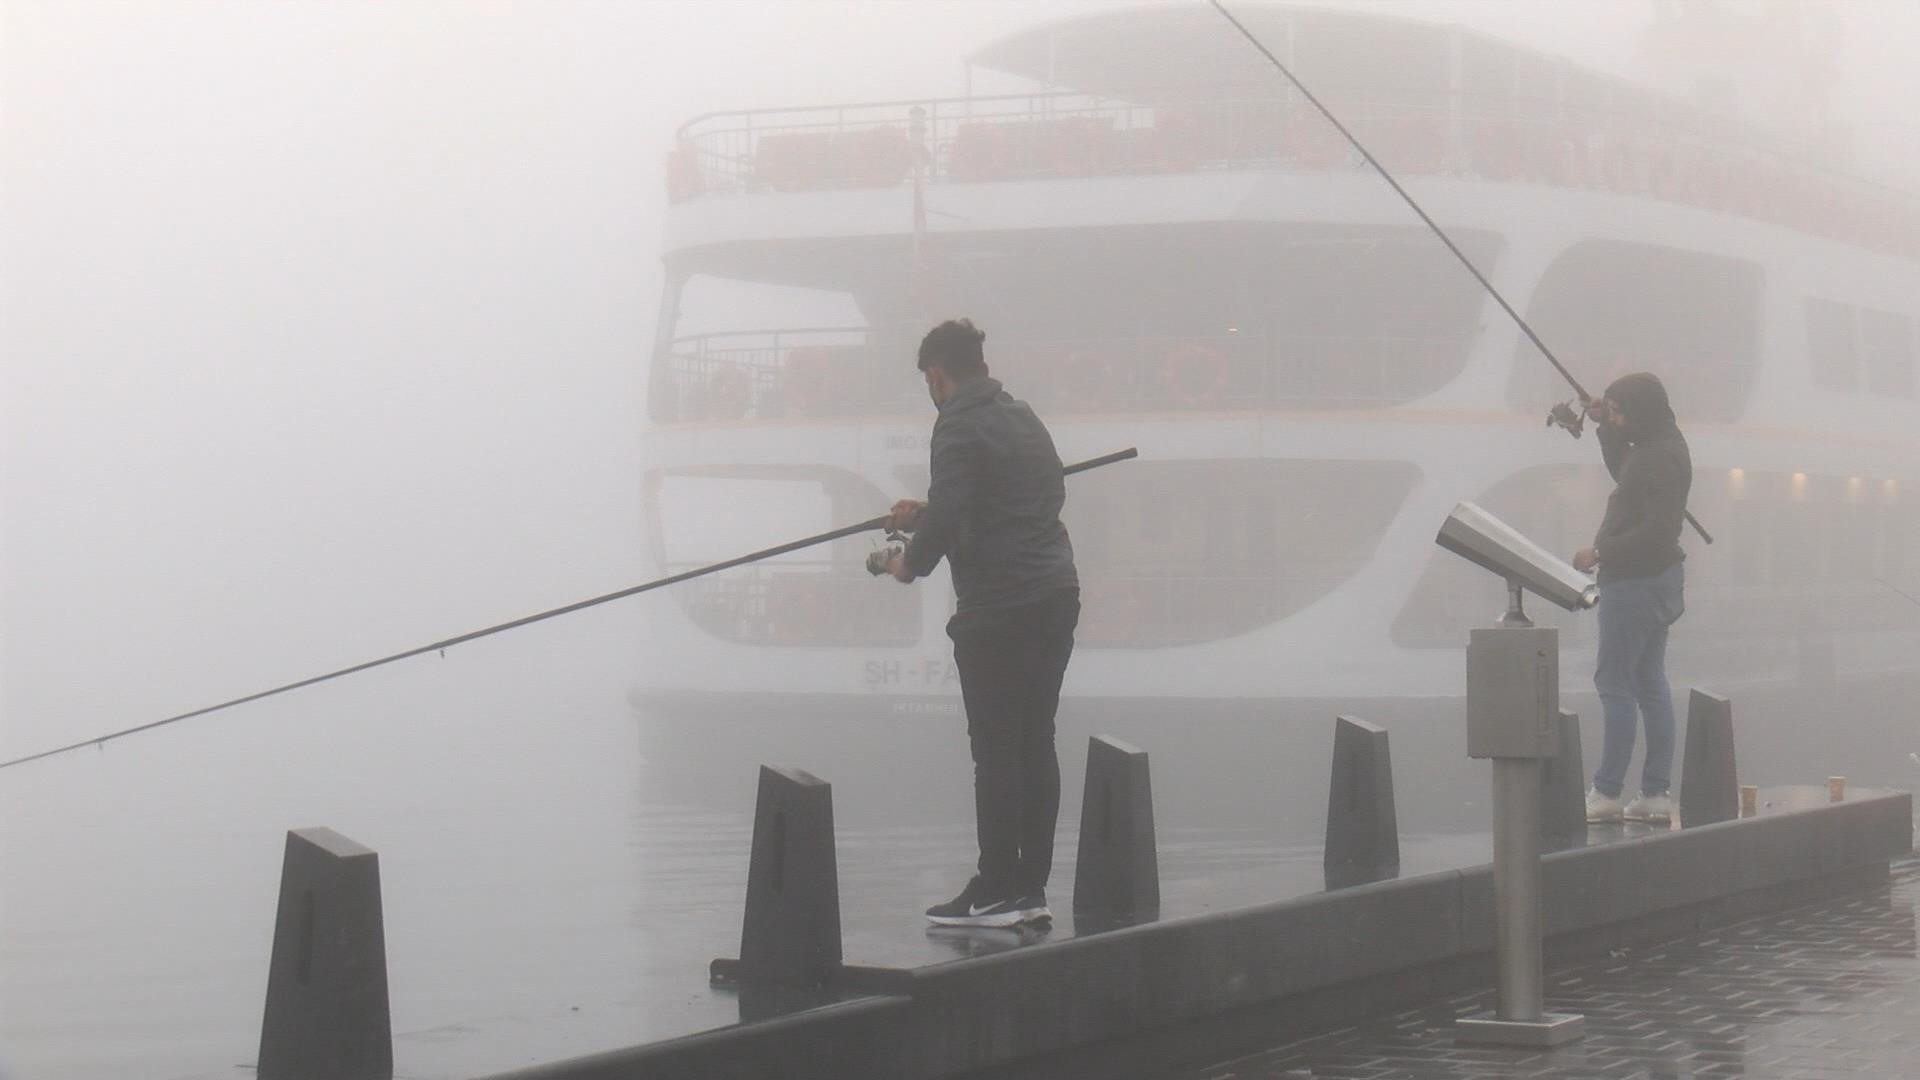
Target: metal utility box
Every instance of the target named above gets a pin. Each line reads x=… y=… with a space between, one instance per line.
x=1513 y=692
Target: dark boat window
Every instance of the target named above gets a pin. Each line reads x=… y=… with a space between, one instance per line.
x=1183 y=552
x=1607 y=308
x=1198 y=318
x=1886 y=353
x=820 y=596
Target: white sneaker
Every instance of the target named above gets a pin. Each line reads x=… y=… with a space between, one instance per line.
x=1656 y=808
x=1603 y=809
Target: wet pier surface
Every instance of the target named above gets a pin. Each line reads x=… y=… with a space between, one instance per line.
x=1828 y=990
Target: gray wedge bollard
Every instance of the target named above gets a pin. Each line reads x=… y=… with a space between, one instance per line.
x=1363 y=833
x=791 y=930
x=1563 y=795
x=327 y=1015
x=1117 y=873
x=1709 y=788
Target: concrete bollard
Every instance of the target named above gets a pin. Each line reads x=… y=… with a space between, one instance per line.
x=791 y=930
x=1709 y=791
x=1117 y=872
x=327 y=1015
x=1563 y=819
x=1363 y=831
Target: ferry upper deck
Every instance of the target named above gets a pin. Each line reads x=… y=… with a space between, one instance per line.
x=806 y=242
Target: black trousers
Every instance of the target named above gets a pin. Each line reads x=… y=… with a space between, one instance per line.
x=1011 y=663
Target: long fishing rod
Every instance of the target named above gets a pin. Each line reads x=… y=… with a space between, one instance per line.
x=851 y=530
x=1911 y=599
x=1562 y=415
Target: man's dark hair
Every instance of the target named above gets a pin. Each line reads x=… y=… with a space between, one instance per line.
x=954 y=347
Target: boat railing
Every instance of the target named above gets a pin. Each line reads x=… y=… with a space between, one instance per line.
x=1661 y=154
x=840 y=372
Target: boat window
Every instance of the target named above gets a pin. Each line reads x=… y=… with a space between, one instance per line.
x=1181 y=552
x=818 y=596
x=717 y=517
x=1301 y=316
x=1857 y=349
x=1886 y=353
x=1607 y=308
x=1830 y=346
x=729 y=340
x=1193 y=318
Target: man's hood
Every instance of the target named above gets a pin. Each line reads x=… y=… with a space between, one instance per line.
x=1643 y=399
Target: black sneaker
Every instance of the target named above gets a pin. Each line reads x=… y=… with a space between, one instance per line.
x=973 y=908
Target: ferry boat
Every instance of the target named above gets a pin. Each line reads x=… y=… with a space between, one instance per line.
x=1170 y=249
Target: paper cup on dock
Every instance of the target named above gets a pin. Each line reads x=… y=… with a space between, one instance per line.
x=1836 y=788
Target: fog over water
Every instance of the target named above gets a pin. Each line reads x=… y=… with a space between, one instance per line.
x=325 y=331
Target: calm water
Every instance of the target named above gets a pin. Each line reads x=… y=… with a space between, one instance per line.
x=558 y=867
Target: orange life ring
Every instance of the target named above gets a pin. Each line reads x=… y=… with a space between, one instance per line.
x=1177 y=142
x=1661 y=171
x=807 y=381
x=1615 y=168
x=1315 y=143
x=729 y=392
x=1076 y=146
x=1497 y=155
x=1418 y=144
x=684 y=179
x=980 y=151
x=1565 y=158
x=1195 y=375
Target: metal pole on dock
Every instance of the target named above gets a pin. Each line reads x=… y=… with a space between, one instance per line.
x=1516 y=889
x=1513 y=713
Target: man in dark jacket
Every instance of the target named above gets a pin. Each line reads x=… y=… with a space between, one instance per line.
x=1642 y=580
x=993 y=512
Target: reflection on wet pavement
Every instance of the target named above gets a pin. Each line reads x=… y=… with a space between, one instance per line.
x=1827 y=990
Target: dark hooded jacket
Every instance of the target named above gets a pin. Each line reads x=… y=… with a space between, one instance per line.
x=1652 y=471
x=993 y=503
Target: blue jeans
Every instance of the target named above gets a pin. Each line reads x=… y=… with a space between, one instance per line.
x=1631 y=677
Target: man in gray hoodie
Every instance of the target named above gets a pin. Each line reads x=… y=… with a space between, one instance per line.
x=1642 y=577
x=993 y=512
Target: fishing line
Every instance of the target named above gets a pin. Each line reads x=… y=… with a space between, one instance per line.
x=1565 y=418
x=865 y=526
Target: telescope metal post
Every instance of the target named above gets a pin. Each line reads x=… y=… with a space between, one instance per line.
x=1516 y=614
x=1513 y=693
x=1516 y=889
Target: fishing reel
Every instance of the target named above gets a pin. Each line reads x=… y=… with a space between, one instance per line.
x=878 y=558
x=1570 y=415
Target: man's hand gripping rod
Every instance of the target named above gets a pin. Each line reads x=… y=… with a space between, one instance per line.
x=877 y=560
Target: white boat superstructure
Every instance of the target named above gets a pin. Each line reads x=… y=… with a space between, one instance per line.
x=1203 y=271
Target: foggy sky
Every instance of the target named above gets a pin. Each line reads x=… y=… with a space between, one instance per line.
x=325 y=324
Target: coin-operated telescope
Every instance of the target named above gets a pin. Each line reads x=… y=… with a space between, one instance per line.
x=1513 y=703
x=1484 y=540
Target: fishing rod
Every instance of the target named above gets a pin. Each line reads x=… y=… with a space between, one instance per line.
x=1911 y=599
x=441 y=646
x=1563 y=415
